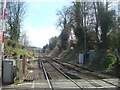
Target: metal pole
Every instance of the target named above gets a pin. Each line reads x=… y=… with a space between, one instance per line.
x=85 y=41
x=0 y=46
x=84 y=33
x=2 y=36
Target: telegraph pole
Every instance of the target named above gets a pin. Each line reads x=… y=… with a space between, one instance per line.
x=118 y=27
x=118 y=19
x=85 y=32
x=118 y=15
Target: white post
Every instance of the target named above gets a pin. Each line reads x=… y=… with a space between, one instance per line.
x=3 y=26
x=0 y=46
x=2 y=38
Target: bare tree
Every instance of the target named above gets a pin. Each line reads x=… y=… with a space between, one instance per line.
x=24 y=39
x=64 y=16
x=64 y=21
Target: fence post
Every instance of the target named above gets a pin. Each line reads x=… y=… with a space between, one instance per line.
x=23 y=64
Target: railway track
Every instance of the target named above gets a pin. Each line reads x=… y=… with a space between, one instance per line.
x=89 y=75
x=54 y=74
x=49 y=80
x=76 y=83
x=85 y=71
x=66 y=76
x=46 y=76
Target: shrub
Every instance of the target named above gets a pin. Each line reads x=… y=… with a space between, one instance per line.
x=14 y=45
x=9 y=43
x=111 y=60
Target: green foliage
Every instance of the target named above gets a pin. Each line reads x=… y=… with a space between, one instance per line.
x=102 y=35
x=53 y=43
x=12 y=43
x=16 y=52
x=45 y=48
x=81 y=12
x=105 y=62
x=115 y=40
x=106 y=22
x=79 y=23
x=68 y=57
x=111 y=58
x=79 y=34
x=77 y=13
x=14 y=17
x=91 y=41
x=13 y=50
x=9 y=43
x=64 y=38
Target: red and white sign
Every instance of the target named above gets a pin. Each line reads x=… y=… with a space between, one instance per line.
x=3 y=37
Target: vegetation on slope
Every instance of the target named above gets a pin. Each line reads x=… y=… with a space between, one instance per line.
x=13 y=50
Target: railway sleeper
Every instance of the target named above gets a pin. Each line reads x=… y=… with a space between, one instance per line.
x=92 y=73
x=28 y=78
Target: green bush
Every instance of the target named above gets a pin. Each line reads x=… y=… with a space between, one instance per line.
x=110 y=60
x=12 y=43
x=9 y=43
x=106 y=62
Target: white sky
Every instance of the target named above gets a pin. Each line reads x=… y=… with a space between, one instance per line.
x=40 y=21
x=40 y=36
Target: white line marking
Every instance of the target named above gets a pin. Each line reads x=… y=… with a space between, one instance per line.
x=33 y=85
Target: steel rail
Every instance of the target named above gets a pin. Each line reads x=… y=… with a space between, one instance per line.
x=46 y=76
x=88 y=75
x=96 y=76
x=66 y=76
x=86 y=68
x=91 y=82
